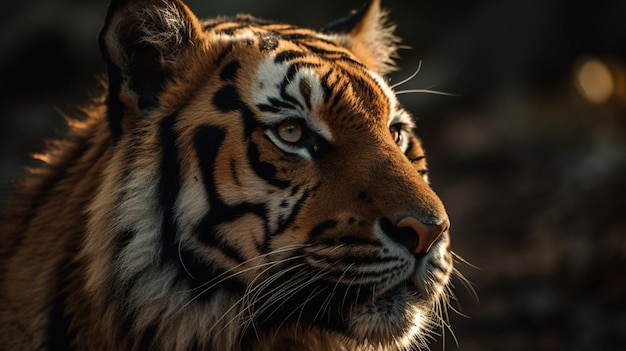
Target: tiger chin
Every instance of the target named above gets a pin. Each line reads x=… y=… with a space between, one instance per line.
x=241 y=185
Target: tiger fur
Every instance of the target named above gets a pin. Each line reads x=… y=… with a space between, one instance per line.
x=243 y=185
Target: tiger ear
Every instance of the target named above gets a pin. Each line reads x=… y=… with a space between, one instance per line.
x=368 y=35
x=141 y=41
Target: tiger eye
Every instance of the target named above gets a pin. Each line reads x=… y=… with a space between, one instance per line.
x=290 y=131
x=396 y=134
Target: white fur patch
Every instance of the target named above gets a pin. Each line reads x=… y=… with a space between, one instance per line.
x=191 y=205
x=139 y=212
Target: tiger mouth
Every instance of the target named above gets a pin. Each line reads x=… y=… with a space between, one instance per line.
x=393 y=303
x=389 y=312
x=390 y=299
x=349 y=302
x=394 y=318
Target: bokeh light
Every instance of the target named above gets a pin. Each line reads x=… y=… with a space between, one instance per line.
x=594 y=80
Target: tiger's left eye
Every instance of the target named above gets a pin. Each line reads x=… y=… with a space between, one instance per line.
x=396 y=133
x=290 y=131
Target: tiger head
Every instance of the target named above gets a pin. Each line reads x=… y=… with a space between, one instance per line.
x=265 y=186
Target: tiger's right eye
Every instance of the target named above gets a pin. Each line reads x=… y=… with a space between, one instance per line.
x=290 y=131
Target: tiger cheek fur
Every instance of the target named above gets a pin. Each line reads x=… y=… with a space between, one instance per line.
x=243 y=185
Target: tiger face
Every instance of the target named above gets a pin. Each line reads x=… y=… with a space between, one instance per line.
x=257 y=186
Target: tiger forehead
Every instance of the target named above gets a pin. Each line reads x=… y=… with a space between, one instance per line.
x=242 y=25
x=348 y=91
x=263 y=33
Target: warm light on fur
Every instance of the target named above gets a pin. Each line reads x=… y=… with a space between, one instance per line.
x=177 y=216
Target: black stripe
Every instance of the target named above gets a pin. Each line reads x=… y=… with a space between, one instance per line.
x=366 y=89
x=233 y=171
x=305 y=91
x=229 y=72
x=301 y=38
x=295 y=209
x=168 y=190
x=322 y=227
x=169 y=186
x=115 y=108
x=264 y=170
x=278 y=104
x=202 y=273
x=60 y=334
x=335 y=56
x=326 y=86
x=339 y=95
x=291 y=73
x=125 y=316
x=305 y=64
x=298 y=37
x=232 y=29
x=295 y=190
x=288 y=56
x=123 y=239
x=267 y=108
x=227 y=99
x=227 y=50
x=209 y=26
x=284 y=223
x=207 y=231
x=149 y=339
x=332 y=55
x=60 y=337
x=208 y=140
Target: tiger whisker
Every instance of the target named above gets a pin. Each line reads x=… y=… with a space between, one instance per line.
x=426 y=91
x=289 y=290
x=208 y=288
x=345 y=294
x=445 y=305
x=458 y=312
x=419 y=67
x=249 y=303
x=230 y=270
x=182 y=263
x=252 y=292
x=312 y=295
x=283 y=292
x=325 y=305
x=251 y=296
x=280 y=293
x=461 y=259
x=438 y=316
x=467 y=284
x=226 y=277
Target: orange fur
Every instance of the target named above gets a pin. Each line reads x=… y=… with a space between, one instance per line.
x=176 y=217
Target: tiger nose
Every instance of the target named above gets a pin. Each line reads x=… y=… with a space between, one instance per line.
x=427 y=233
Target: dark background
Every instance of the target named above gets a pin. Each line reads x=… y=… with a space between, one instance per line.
x=531 y=169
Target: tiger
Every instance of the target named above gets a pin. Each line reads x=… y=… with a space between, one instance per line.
x=240 y=184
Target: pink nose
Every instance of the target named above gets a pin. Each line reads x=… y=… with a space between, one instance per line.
x=427 y=233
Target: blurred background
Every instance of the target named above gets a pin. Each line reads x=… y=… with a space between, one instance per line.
x=529 y=157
